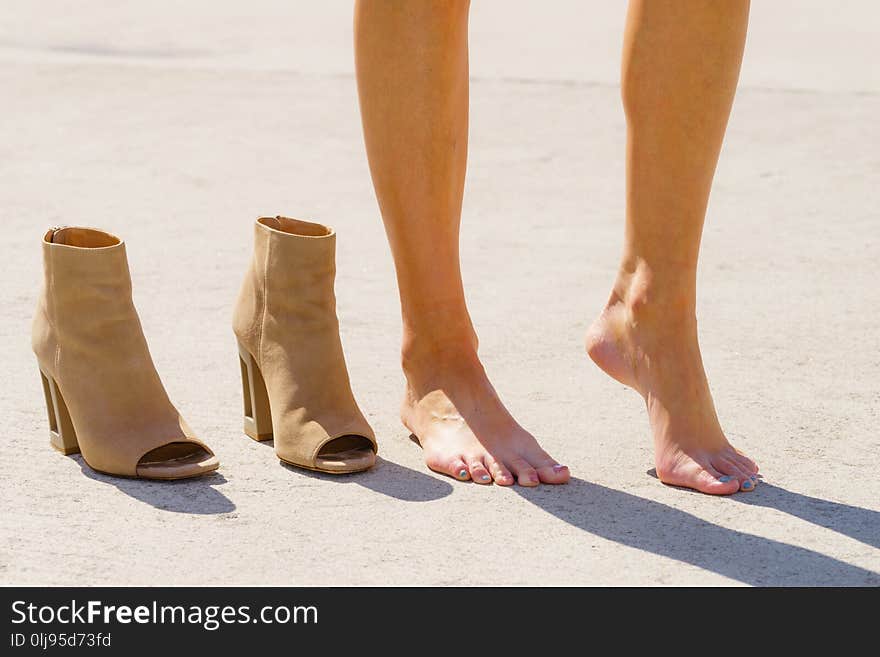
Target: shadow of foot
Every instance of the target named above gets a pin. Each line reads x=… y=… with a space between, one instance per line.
x=390 y=479
x=860 y=524
x=197 y=496
x=666 y=531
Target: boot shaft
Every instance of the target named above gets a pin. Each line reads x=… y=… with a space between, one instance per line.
x=86 y=294
x=289 y=282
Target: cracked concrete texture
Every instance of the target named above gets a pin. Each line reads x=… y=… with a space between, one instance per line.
x=176 y=133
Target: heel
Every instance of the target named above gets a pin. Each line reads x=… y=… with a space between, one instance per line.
x=61 y=434
x=257 y=416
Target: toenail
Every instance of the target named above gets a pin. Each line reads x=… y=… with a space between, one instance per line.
x=462 y=473
x=485 y=477
x=559 y=468
x=725 y=479
x=747 y=484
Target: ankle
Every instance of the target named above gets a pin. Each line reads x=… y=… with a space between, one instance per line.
x=655 y=295
x=426 y=352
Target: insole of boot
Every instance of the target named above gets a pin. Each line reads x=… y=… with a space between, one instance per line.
x=345 y=446
x=174 y=452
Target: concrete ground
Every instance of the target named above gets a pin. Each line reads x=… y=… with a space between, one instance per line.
x=175 y=124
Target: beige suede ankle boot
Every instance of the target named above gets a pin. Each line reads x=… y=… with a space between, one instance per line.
x=296 y=386
x=103 y=394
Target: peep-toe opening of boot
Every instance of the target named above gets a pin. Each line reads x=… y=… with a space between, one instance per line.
x=178 y=460
x=346 y=454
x=296 y=227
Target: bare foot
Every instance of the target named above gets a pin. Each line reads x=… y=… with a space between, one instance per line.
x=641 y=340
x=464 y=429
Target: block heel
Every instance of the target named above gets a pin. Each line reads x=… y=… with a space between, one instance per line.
x=257 y=415
x=61 y=433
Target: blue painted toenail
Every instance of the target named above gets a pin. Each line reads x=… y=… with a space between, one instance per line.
x=485 y=477
x=725 y=479
x=462 y=474
x=747 y=484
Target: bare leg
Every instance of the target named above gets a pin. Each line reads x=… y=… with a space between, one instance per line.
x=412 y=72
x=681 y=63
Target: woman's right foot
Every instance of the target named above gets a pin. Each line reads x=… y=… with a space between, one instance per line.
x=648 y=341
x=464 y=429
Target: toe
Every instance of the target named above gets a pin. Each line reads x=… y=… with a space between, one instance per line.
x=748 y=485
x=548 y=469
x=732 y=467
x=711 y=481
x=525 y=473
x=459 y=469
x=454 y=467
x=749 y=467
x=553 y=473
x=701 y=477
x=746 y=463
x=752 y=466
x=500 y=474
x=478 y=471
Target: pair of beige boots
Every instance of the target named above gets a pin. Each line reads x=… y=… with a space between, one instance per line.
x=104 y=396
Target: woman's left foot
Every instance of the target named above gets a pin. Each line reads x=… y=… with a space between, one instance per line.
x=641 y=340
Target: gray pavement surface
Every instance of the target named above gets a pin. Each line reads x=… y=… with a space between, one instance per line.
x=175 y=124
